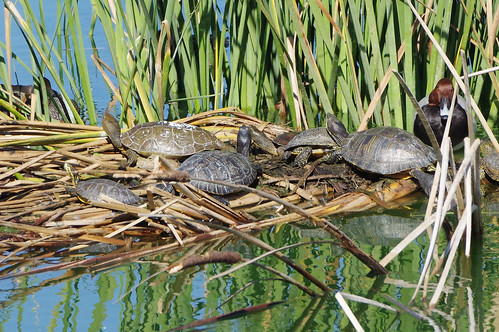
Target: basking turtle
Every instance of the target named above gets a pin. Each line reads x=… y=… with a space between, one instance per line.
x=381 y=150
x=314 y=140
x=168 y=139
x=57 y=106
x=490 y=161
x=91 y=190
x=226 y=166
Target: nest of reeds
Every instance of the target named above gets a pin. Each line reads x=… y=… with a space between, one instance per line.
x=37 y=209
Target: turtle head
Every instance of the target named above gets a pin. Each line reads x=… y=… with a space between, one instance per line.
x=112 y=128
x=244 y=140
x=72 y=173
x=335 y=128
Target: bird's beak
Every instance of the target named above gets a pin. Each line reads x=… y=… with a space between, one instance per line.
x=444 y=107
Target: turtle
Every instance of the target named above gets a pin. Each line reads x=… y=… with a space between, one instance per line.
x=490 y=161
x=58 y=109
x=91 y=190
x=303 y=145
x=227 y=166
x=168 y=139
x=380 y=150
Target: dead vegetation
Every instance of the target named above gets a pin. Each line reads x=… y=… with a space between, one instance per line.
x=38 y=211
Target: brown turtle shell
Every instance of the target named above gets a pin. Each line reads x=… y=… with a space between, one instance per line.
x=169 y=139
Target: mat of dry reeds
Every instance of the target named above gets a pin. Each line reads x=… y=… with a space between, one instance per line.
x=38 y=210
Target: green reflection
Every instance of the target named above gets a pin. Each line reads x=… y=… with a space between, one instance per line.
x=127 y=298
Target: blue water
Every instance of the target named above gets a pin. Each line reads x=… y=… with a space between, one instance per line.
x=141 y=295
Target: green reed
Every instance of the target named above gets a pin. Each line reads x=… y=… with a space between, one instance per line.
x=178 y=58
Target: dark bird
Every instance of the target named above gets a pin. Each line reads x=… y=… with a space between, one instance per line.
x=436 y=108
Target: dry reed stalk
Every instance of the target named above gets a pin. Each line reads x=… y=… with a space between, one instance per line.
x=238 y=118
x=348 y=311
x=305 y=194
x=25 y=165
x=245 y=200
x=293 y=199
x=182 y=208
x=96 y=238
x=101 y=219
x=61 y=126
x=211 y=206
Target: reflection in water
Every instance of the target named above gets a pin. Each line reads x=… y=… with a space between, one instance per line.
x=140 y=295
x=379 y=229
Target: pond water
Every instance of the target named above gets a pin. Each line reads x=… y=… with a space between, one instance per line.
x=140 y=295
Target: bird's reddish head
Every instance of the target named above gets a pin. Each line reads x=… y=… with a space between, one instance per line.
x=443 y=89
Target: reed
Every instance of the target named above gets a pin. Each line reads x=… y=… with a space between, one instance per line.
x=180 y=58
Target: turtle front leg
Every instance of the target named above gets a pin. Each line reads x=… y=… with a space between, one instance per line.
x=330 y=156
x=131 y=157
x=304 y=153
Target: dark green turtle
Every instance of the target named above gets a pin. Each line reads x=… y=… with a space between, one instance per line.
x=226 y=166
x=168 y=139
x=490 y=161
x=314 y=140
x=91 y=190
x=381 y=150
x=57 y=107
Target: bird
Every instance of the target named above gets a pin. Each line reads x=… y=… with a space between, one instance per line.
x=436 y=108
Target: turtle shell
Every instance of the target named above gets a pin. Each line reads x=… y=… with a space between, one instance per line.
x=386 y=150
x=314 y=137
x=90 y=190
x=169 y=139
x=226 y=166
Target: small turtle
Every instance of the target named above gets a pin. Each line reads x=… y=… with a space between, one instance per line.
x=226 y=166
x=490 y=161
x=91 y=190
x=168 y=139
x=314 y=140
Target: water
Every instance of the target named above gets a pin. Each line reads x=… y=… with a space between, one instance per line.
x=126 y=297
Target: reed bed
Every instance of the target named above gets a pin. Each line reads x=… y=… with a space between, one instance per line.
x=288 y=62
x=38 y=211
